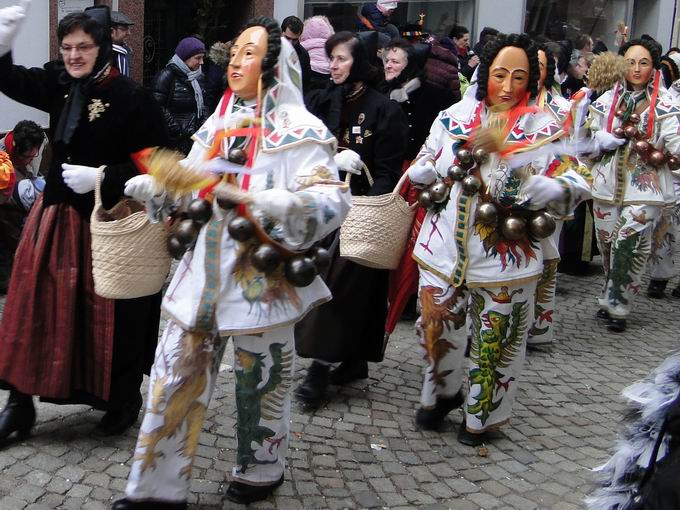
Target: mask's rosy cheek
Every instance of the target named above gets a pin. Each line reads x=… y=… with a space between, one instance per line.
x=493 y=89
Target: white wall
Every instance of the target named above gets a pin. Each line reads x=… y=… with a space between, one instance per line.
x=31 y=49
x=654 y=17
x=504 y=15
x=285 y=8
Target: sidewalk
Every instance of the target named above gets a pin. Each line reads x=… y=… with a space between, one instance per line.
x=362 y=450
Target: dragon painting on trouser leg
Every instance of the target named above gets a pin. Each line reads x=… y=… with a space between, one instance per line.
x=500 y=322
x=182 y=382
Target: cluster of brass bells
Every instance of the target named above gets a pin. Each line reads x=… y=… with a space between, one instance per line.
x=300 y=269
x=434 y=196
x=538 y=224
x=645 y=150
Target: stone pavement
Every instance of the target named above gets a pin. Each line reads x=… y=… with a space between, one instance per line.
x=362 y=450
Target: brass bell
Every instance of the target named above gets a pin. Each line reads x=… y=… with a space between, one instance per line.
x=471 y=185
x=480 y=156
x=237 y=156
x=456 y=173
x=618 y=132
x=631 y=131
x=487 y=214
x=175 y=248
x=513 y=228
x=439 y=192
x=266 y=258
x=320 y=256
x=542 y=225
x=656 y=158
x=300 y=271
x=465 y=159
x=634 y=118
x=200 y=211
x=674 y=162
x=425 y=200
x=641 y=147
x=186 y=232
x=241 y=229
x=620 y=113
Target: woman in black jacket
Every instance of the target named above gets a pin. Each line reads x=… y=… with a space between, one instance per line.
x=181 y=91
x=58 y=339
x=350 y=328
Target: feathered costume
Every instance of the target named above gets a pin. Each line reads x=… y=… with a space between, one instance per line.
x=653 y=428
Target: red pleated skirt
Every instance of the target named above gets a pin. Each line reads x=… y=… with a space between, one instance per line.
x=56 y=334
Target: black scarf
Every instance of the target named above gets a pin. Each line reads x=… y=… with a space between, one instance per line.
x=80 y=88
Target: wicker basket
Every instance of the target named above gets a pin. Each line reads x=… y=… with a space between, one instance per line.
x=129 y=254
x=376 y=230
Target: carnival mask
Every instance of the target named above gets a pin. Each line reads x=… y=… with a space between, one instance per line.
x=641 y=67
x=245 y=63
x=542 y=68
x=508 y=78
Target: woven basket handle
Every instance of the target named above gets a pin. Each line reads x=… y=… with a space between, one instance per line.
x=402 y=180
x=98 y=187
x=349 y=175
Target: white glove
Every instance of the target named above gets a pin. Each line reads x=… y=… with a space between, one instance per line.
x=10 y=21
x=539 y=190
x=279 y=204
x=607 y=141
x=143 y=188
x=422 y=171
x=81 y=179
x=349 y=161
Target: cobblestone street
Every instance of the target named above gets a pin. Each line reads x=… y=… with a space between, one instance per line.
x=362 y=449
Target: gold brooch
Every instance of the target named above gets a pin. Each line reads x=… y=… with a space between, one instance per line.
x=96 y=108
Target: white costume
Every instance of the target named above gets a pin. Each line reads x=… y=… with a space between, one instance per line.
x=216 y=292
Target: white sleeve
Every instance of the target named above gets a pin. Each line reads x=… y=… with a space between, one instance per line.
x=324 y=199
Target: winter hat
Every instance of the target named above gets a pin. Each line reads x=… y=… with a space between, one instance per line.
x=188 y=47
x=386 y=5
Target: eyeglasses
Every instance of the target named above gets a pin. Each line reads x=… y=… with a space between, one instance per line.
x=79 y=49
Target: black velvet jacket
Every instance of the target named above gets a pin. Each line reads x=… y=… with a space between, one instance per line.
x=121 y=118
x=374 y=127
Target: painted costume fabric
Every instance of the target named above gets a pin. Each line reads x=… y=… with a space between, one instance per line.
x=216 y=293
x=629 y=195
x=468 y=266
x=542 y=331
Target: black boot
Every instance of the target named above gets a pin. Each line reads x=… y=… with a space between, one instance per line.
x=656 y=288
x=676 y=292
x=126 y=504
x=616 y=325
x=17 y=416
x=244 y=494
x=468 y=438
x=119 y=419
x=431 y=419
x=312 y=390
x=349 y=371
x=602 y=314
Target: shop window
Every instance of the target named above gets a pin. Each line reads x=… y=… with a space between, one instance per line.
x=439 y=16
x=566 y=19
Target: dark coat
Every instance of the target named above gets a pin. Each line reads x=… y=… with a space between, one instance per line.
x=305 y=66
x=371 y=125
x=106 y=140
x=421 y=108
x=175 y=94
x=115 y=351
x=215 y=84
x=352 y=325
